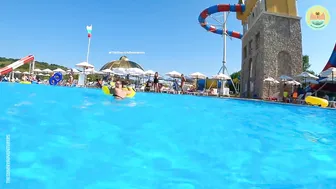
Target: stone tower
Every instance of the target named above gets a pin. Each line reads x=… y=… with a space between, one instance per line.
x=271 y=45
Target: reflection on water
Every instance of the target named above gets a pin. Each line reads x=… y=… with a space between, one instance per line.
x=323 y=139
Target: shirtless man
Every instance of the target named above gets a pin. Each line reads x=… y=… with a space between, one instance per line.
x=119 y=92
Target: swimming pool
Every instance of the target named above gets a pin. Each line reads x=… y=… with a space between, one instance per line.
x=78 y=138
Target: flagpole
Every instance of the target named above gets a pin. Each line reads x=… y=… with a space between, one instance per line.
x=89 y=30
x=88 y=50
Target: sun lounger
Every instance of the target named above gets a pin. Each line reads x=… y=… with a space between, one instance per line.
x=202 y=93
x=299 y=99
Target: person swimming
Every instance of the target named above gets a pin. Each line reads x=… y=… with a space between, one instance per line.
x=118 y=92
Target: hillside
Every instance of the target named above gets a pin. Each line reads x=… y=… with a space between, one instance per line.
x=40 y=65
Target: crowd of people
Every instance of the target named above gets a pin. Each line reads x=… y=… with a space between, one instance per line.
x=158 y=86
x=37 y=79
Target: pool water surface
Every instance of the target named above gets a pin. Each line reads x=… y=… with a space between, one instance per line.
x=82 y=139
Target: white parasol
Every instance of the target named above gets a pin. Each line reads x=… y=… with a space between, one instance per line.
x=107 y=71
x=149 y=73
x=59 y=70
x=37 y=70
x=84 y=65
x=222 y=77
x=174 y=74
x=285 y=78
x=270 y=80
x=197 y=75
x=47 y=71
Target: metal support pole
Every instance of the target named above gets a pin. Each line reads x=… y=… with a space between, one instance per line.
x=33 y=65
x=224 y=68
x=30 y=68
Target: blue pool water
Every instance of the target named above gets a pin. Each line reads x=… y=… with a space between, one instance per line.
x=81 y=139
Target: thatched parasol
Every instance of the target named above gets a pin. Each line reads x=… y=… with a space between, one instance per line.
x=123 y=62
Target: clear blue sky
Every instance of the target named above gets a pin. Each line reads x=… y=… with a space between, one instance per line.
x=167 y=31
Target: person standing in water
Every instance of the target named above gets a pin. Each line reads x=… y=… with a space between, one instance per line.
x=156 y=82
x=183 y=80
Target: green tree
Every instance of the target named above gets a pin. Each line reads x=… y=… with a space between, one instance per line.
x=40 y=65
x=235 y=78
x=306 y=65
x=235 y=75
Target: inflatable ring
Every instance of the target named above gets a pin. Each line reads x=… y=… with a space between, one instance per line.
x=52 y=81
x=132 y=92
x=58 y=76
x=106 y=91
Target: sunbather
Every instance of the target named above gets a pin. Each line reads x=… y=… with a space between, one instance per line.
x=148 y=85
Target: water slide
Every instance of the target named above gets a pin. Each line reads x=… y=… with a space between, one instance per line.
x=332 y=60
x=239 y=8
x=7 y=69
x=331 y=63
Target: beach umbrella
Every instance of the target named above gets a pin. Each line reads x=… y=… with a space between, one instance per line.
x=84 y=65
x=135 y=71
x=25 y=72
x=149 y=73
x=293 y=82
x=107 y=71
x=123 y=62
x=221 y=77
x=37 y=70
x=59 y=70
x=74 y=70
x=47 y=71
x=17 y=72
x=312 y=81
x=174 y=74
x=197 y=75
x=93 y=71
x=119 y=71
x=270 y=80
x=285 y=78
x=306 y=75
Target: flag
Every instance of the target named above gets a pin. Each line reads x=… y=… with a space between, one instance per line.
x=89 y=30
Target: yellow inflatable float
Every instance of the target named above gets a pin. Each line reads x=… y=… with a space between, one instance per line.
x=311 y=100
x=106 y=91
x=25 y=82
